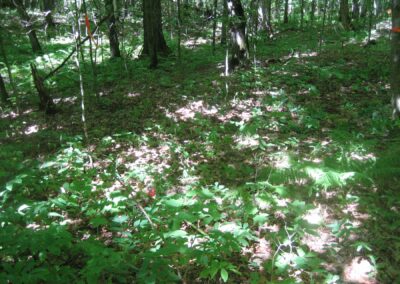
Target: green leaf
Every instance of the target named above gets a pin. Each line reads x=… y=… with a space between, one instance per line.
x=55 y=214
x=260 y=219
x=120 y=219
x=22 y=208
x=98 y=221
x=175 y=234
x=224 y=275
x=174 y=203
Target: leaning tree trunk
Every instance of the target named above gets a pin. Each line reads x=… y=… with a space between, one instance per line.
x=112 y=29
x=46 y=103
x=239 y=41
x=395 y=76
x=344 y=14
x=3 y=91
x=26 y=23
x=152 y=26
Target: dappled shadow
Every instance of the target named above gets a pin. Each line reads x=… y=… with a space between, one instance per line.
x=283 y=175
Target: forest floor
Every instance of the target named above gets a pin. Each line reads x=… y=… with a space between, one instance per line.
x=286 y=171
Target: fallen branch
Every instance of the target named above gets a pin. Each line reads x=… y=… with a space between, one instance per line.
x=74 y=49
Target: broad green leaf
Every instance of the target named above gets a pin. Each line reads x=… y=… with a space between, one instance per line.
x=175 y=202
x=175 y=234
x=224 y=275
x=120 y=219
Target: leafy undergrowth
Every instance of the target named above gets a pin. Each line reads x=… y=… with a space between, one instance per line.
x=286 y=172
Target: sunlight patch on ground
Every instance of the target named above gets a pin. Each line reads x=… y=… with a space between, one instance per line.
x=305 y=54
x=31 y=129
x=359 y=271
x=189 y=111
x=247 y=141
x=65 y=100
x=133 y=95
x=194 y=42
x=281 y=161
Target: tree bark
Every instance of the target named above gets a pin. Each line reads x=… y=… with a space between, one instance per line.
x=286 y=13
x=344 y=14
x=112 y=29
x=3 y=91
x=224 y=22
x=356 y=9
x=154 y=40
x=395 y=76
x=48 y=6
x=312 y=12
x=46 y=103
x=26 y=23
x=239 y=41
x=267 y=14
x=301 y=13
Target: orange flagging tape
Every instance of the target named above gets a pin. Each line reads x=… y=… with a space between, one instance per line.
x=396 y=29
x=87 y=22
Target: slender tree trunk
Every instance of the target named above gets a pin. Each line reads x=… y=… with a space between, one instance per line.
x=215 y=6
x=278 y=10
x=301 y=13
x=312 y=11
x=224 y=29
x=364 y=8
x=152 y=26
x=112 y=29
x=180 y=30
x=26 y=23
x=82 y=90
x=286 y=13
x=378 y=8
x=344 y=14
x=267 y=14
x=239 y=41
x=48 y=7
x=395 y=76
x=321 y=37
x=356 y=9
x=3 y=91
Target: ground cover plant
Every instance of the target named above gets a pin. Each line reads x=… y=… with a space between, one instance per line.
x=136 y=148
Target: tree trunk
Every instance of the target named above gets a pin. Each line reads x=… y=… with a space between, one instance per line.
x=46 y=103
x=344 y=14
x=286 y=13
x=153 y=33
x=364 y=8
x=112 y=29
x=26 y=23
x=301 y=13
x=239 y=41
x=267 y=14
x=3 y=91
x=395 y=76
x=312 y=12
x=378 y=8
x=224 y=22
x=215 y=7
x=278 y=10
x=356 y=9
x=48 y=6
